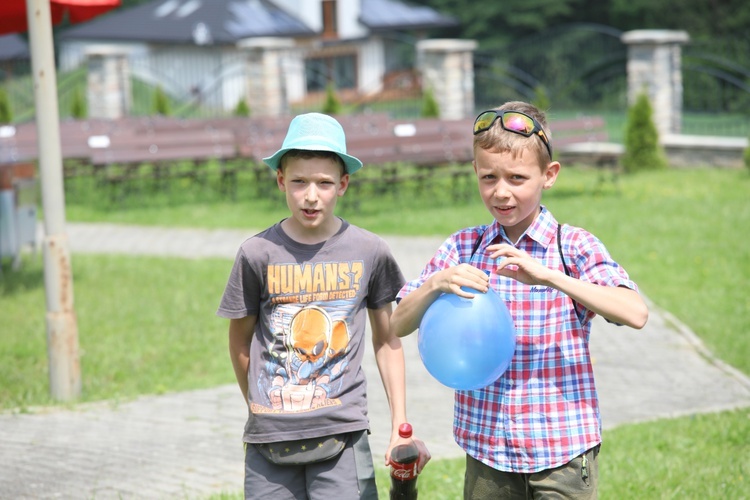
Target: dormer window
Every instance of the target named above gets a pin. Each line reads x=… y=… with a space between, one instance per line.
x=329 y=19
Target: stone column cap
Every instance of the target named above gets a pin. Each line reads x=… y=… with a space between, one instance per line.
x=266 y=42
x=655 y=37
x=447 y=45
x=106 y=49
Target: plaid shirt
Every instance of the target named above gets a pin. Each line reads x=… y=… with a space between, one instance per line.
x=543 y=411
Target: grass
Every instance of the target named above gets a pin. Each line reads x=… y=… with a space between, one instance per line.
x=142 y=324
x=680 y=234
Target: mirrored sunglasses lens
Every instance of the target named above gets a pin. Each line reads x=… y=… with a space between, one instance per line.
x=518 y=123
x=484 y=121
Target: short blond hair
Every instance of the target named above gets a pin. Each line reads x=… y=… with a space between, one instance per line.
x=498 y=140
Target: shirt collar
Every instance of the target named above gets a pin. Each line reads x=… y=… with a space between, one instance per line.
x=542 y=230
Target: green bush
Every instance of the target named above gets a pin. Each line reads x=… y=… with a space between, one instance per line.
x=430 y=107
x=746 y=156
x=160 y=105
x=642 y=148
x=332 y=105
x=242 y=109
x=78 y=108
x=6 y=114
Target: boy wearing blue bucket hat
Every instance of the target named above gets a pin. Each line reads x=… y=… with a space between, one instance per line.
x=297 y=300
x=535 y=431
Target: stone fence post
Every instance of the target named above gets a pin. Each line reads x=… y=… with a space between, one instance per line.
x=654 y=67
x=275 y=75
x=447 y=67
x=108 y=83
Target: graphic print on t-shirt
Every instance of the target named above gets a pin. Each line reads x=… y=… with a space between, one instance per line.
x=311 y=334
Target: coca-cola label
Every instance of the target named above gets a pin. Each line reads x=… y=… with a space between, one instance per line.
x=404 y=472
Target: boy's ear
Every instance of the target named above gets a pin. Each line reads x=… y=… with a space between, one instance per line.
x=343 y=184
x=280 y=179
x=550 y=174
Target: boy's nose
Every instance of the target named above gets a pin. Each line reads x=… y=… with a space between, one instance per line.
x=312 y=193
x=501 y=190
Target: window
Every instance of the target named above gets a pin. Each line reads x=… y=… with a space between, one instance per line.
x=341 y=70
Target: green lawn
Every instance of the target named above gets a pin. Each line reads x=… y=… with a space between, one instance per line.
x=680 y=234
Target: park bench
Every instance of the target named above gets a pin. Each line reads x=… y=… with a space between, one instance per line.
x=18 y=143
x=163 y=156
x=584 y=141
x=124 y=150
x=433 y=147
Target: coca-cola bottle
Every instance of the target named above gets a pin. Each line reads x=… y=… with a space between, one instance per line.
x=404 y=466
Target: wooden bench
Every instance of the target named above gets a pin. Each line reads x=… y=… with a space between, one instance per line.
x=163 y=156
x=433 y=146
x=162 y=148
x=585 y=141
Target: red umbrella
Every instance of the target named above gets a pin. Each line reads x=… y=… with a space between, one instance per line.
x=37 y=16
x=13 y=12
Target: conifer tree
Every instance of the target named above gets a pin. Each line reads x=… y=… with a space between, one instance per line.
x=430 y=106
x=332 y=105
x=6 y=113
x=161 y=102
x=242 y=109
x=642 y=148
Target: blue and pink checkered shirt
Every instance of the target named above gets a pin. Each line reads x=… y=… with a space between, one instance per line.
x=543 y=411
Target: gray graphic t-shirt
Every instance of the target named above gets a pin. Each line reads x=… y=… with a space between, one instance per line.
x=305 y=377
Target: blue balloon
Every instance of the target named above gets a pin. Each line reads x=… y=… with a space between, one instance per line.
x=467 y=344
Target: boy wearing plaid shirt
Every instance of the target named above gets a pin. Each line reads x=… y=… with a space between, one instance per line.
x=536 y=431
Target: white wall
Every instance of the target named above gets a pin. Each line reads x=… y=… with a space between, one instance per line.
x=348 y=15
x=309 y=10
x=371 y=65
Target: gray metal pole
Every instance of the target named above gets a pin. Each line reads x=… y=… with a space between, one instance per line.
x=62 y=327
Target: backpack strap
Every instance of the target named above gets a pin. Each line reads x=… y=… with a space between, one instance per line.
x=565 y=266
x=476 y=246
x=559 y=249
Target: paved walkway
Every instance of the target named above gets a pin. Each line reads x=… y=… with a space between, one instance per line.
x=187 y=445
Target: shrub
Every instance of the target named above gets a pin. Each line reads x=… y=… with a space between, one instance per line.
x=430 y=107
x=642 y=148
x=746 y=156
x=6 y=114
x=541 y=100
x=332 y=105
x=78 y=105
x=160 y=104
x=242 y=109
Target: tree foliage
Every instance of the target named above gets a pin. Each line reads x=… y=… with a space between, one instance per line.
x=496 y=24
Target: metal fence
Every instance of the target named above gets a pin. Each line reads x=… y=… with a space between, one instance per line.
x=573 y=69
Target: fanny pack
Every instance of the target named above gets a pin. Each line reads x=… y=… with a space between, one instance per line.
x=304 y=451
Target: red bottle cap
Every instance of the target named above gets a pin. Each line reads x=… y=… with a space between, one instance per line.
x=405 y=430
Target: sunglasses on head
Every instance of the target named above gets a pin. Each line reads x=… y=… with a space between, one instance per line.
x=512 y=121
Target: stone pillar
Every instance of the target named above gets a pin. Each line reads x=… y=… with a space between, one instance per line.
x=275 y=72
x=447 y=67
x=108 y=89
x=654 y=67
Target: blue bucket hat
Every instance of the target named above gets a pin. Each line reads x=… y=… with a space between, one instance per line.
x=315 y=132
